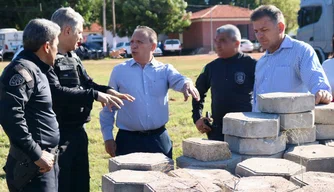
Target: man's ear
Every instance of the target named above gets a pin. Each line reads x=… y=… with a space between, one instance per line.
x=66 y=30
x=154 y=46
x=237 y=43
x=281 y=27
x=46 y=47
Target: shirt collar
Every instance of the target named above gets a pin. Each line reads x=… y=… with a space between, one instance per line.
x=286 y=44
x=26 y=54
x=153 y=62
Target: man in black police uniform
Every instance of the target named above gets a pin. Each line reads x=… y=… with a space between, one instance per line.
x=73 y=113
x=231 y=78
x=26 y=111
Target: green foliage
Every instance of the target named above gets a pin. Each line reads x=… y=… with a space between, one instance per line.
x=17 y=13
x=163 y=16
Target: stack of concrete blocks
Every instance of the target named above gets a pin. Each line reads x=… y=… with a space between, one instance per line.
x=254 y=134
x=296 y=111
x=198 y=152
x=314 y=181
x=324 y=122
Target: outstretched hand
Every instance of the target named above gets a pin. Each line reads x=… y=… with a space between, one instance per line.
x=189 y=89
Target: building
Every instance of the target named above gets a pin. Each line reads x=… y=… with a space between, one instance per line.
x=204 y=23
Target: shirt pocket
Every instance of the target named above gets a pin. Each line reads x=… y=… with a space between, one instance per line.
x=158 y=86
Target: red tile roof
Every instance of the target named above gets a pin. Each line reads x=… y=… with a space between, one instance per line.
x=222 y=11
x=94 y=27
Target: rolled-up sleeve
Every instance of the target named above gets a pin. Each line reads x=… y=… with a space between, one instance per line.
x=175 y=79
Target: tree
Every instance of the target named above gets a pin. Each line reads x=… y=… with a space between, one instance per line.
x=17 y=13
x=289 y=9
x=163 y=16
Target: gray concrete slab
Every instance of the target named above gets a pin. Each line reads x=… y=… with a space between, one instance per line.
x=297 y=121
x=173 y=184
x=313 y=157
x=317 y=188
x=324 y=114
x=260 y=184
x=313 y=178
x=228 y=164
x=277 y=156
x=268 y=167
x=215 y=176
x=324 y=131
x=128 y=180
x=300 y=136
x=142 y=161
x=206 y=150
x=251 y=125
x=264 y=146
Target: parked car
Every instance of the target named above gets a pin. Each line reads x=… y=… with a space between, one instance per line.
x=258 y=47
x=90 y=51
x=172 y=46
x=157 y=52
x=126 y=46
x=1 y=53
x=246 y=46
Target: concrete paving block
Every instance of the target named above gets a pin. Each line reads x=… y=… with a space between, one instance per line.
x=324 y=131
x=268 y=167
x=174 y=184
x=264 y=146
x=215 y=176
x=206 y=150
x=128 y=180
x=277 y=156
x=313 y=178
x=141 y=161
x=329 y=143
x=228 y=164
x=324 y=114
x=313 y=157
x=300 y=136
x=260 y=184
x=251 y=125
x=285 y=102
x=297 y=120
x=320 y=188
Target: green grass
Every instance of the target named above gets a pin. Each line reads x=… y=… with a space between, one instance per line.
x=180 y=125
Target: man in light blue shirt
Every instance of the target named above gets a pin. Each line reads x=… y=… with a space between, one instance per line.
x=288 y=65
x=142 y=123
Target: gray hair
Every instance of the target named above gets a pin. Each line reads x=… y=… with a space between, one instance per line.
x=232 y=31
x=38 y=32
x=152 y=35
x=270 y=11
x=66 y=16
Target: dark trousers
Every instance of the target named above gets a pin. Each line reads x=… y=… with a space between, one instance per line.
x=73 y=160
x=216 y=132
x=131 y=142
x=46 y=182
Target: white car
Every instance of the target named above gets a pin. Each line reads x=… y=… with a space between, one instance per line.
x=157 y=52
x=126 y=46
x=172 y=46
x=246 y=46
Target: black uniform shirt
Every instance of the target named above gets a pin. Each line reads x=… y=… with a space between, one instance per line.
x=231 y=81
x=26 y=106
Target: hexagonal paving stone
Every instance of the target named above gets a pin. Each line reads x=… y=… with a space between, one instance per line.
x=142 y=161
x=313 y=178
x=268 y=167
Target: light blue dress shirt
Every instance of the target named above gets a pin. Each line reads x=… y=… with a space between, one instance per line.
x=149 y=85
x=293 y=67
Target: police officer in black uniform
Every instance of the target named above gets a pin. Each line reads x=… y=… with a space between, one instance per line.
x=74 y=111
x=231 y=79
x=26 y=112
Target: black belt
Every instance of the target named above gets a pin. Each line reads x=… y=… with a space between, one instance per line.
x=146 y=132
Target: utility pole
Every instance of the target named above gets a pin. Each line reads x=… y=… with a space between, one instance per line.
x=113 y=24
x=104 y=29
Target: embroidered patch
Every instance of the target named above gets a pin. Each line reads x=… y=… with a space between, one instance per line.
x=239 y=77
x=16 y=80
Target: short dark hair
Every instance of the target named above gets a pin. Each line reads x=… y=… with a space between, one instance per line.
x=270 y=11
x=38 y=32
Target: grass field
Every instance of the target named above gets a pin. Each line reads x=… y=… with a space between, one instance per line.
x=180 y=125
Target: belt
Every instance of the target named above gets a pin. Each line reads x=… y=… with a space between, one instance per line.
x=146 y=132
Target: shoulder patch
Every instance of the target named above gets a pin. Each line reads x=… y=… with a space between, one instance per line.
x=23 y=72
x=16 y=80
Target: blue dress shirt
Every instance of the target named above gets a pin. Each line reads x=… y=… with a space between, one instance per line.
x=149 y=85
x=293 y=67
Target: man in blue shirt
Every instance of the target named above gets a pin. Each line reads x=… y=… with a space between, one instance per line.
x=288 y=65
x=142 y=123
